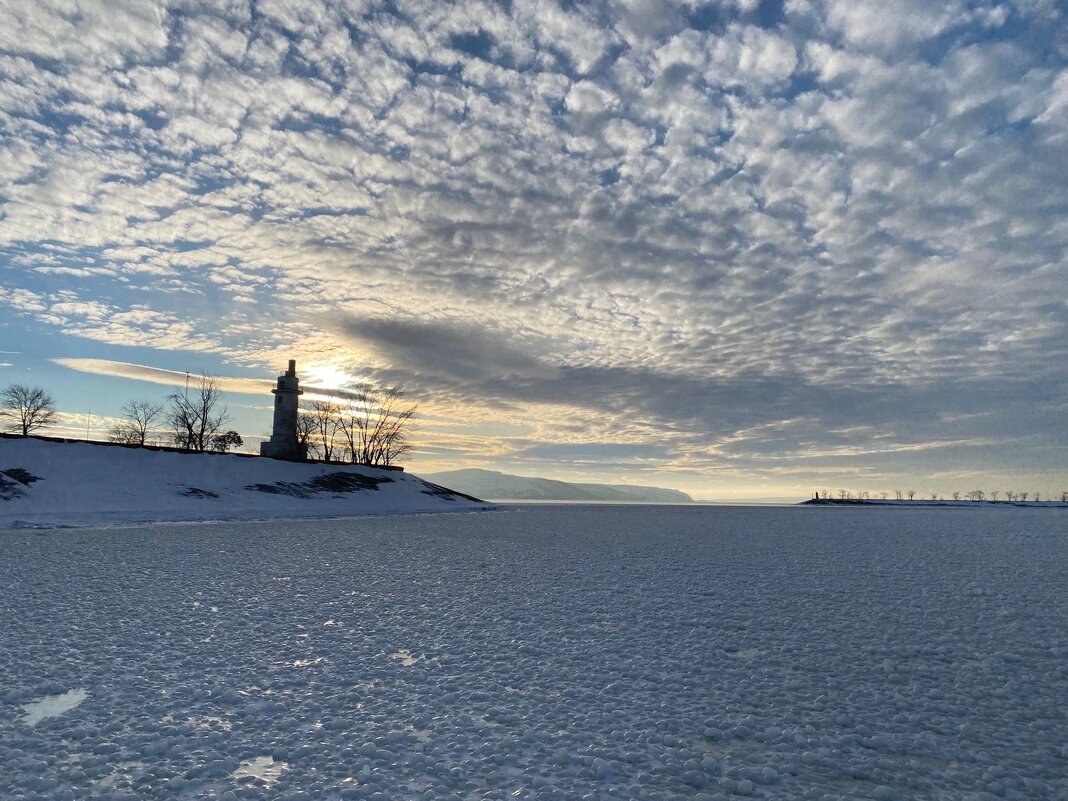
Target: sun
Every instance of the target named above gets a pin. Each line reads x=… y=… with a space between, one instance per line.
x=328 y=376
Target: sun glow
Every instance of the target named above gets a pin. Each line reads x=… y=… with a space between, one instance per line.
x=328 y=376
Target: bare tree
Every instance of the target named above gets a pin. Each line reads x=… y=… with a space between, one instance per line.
x=1064 y=497
x=26 y=409
x=196 y=417
x=956 y=496
x=305 y=431
x=324 y=422
x=883 y=494
x=1036 y=497
x=897 y=494
x=351 y=423
x=376 y=426
x=934 y=496
x=134 y=430
x=994 y=494
x=911 y=494
x=1023 y=496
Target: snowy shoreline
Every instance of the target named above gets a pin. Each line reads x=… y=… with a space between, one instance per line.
x=47 y=484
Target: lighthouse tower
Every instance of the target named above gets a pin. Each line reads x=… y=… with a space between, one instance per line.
x=283 y=442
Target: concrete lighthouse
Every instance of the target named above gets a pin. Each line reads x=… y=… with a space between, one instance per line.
x=283 y=443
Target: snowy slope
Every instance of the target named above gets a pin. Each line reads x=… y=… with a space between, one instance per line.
x=46 y=483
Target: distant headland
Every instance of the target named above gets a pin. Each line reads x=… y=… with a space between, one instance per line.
x=505 y=487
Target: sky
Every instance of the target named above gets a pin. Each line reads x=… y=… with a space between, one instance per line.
x=745 y=249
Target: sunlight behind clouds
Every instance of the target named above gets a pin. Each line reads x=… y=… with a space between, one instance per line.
x=327 y=376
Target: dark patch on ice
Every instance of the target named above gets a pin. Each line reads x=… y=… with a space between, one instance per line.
x=24 y=477
x=327 y=482
x=197 y=492
x=447 y=494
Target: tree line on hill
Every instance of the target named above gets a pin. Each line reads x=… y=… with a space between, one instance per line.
x=195 y=423
x=372 y=426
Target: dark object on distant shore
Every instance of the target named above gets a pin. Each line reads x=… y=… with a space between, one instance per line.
x=983 y=504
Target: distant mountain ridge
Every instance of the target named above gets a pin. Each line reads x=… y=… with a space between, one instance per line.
x=491 y=484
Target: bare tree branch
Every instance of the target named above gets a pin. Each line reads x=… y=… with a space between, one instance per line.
x=134 y=430
x=324 y=421
x=377 y=425
x=306 y=429
x=195 y=418
x=26 y=409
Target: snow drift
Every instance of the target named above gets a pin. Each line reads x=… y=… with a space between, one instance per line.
x=47 y=483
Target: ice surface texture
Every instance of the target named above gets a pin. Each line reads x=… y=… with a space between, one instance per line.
x=550 y=653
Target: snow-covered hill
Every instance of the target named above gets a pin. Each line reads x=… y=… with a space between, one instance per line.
x=48 y=483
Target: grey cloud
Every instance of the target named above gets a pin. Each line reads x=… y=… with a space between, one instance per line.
x=449 y=350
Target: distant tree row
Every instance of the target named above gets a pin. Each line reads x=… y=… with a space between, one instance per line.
x=196 y=419
x=973 y=495
x=372 y=426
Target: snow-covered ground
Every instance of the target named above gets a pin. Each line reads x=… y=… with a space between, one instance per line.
x=46 y=483
x=541 y=652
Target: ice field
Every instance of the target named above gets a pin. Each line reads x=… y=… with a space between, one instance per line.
x=541 y=652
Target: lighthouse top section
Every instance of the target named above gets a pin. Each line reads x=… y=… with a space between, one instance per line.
x=288 y=382
x=283 y=443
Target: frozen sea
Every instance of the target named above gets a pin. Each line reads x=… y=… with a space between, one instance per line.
x=556 y=652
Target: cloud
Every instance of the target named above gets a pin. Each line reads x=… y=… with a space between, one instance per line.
x=158 y=375
x=175 y=378
x=655 y=220
x=889 y=24
x=448 y=349
x=750 y=57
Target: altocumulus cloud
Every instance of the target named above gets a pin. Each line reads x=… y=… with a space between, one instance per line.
x=727 y=233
